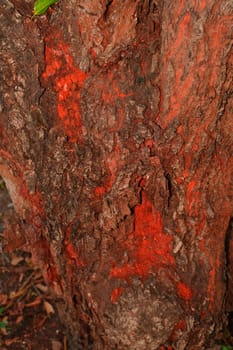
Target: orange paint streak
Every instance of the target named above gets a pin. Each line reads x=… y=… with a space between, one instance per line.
x=182 y=31
x=68 y=81
x=149 y=247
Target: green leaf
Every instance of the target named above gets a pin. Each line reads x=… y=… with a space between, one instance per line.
x=3 y=324
x=41 y=6
x=1 y=310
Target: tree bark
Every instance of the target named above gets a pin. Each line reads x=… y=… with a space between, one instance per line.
x=116 y=148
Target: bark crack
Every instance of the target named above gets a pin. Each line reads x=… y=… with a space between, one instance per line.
x=169 y=188
x=228 y=237
x=228 y=276
x=105 y=15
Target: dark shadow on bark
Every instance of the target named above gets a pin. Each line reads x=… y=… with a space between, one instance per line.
x=229 y=276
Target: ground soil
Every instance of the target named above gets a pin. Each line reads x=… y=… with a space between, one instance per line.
x=28 y=309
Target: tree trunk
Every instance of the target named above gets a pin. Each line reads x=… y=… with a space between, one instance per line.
x=116 y=148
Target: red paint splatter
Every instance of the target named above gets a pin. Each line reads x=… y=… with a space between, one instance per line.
x=179 y=327
x=192 y=198
x=93 y=53
x=149 y=247
x=149 y=143
x=113 y=92
x=211 y=284
x=99 y=191
x=176 y=51
x=116 y=293
x=71 y=254
x=68 y=81
x=114 y=163
x=119 y=123
x=184 y=291
x=34 y=199
x=41 y=254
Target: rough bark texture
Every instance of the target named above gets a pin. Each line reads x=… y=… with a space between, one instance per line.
x=116 y=148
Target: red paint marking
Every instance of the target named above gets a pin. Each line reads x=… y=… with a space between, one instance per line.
x=180 y=129
x=99 y=191
x=182 y=31
x=201 y=224
x=34 y=199
x=114 y=163
x=68 y=81
x=116 y=293
x=189 y=196
x=41 y=254
x=180 y=93
x=202 y=5
x=178 y=328
x=71 y=253
x=111 y=91
x=79 y=27
x=93 y=53
x=150 y=247
x=119 y=123
x=149 y=143
x=211 y=284
x=192 y=198
x=184 y=291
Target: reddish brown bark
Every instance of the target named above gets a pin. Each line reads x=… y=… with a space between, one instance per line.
x=116 y=148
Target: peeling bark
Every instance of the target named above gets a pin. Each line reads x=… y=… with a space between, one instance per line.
x=116 y=148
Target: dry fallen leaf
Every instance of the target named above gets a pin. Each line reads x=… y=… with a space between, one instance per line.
x=48 y=308
x=16 y=260
x=3 y=299
x=42 y=287
x=35 y=302
x=41 y=322
x=19 y=319
x=56 y=345
x=15 y=295
x=11 y=341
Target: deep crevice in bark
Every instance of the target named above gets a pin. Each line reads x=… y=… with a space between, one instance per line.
x=228 y=275
x=169 y=187
x=105 y=15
